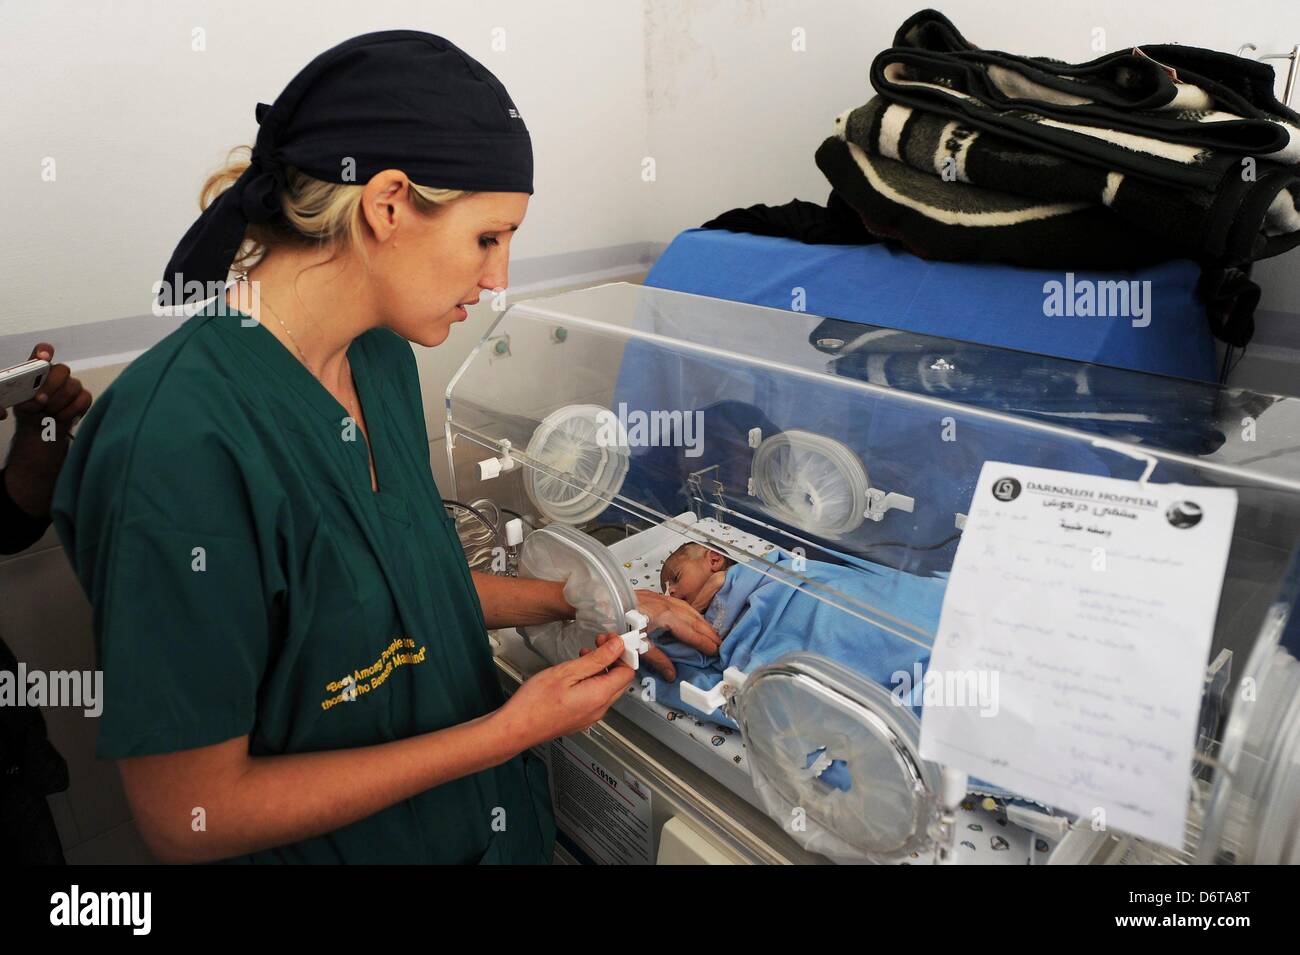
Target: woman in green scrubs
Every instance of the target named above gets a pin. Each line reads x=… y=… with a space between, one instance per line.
x=294 y=650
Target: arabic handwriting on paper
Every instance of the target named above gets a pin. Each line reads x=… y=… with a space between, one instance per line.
x=1093 y=600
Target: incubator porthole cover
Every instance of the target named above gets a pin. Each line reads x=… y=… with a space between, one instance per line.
x=594 y=586
x=1253 y=811
x=811 y=481
x=841 y=753
x=586 y=448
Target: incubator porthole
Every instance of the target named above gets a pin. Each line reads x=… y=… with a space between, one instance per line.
x=867 y=795
x=594 y=583
x=584 y=454
x=811 y=481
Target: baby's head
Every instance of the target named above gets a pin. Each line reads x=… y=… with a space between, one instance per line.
x=688 y=567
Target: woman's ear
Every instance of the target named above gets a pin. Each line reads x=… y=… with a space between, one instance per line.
x=385 y=198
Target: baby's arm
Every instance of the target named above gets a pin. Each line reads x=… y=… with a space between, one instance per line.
x=708 y=590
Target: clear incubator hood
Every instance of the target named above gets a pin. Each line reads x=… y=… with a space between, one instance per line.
x=811 y=451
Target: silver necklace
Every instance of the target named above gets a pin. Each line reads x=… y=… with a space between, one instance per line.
x=357 y=412
x=302 y=355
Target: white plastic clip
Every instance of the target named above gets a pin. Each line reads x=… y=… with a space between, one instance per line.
x=635 y=641
x=1054 y=827
x=706 y=701
x=489 y=468
x=755 y=437
x=959 y=521
x=514 y=532
x=879 y=502
x=952 y=788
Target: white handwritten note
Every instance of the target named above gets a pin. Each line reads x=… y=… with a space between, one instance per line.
x=1089 y=603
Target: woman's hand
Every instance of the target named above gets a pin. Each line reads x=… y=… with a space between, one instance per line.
x=679 y=617
x=566 y=698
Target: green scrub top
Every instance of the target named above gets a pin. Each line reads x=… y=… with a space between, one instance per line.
x=245 y=579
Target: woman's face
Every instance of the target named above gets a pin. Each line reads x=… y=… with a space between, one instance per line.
x=424 y=268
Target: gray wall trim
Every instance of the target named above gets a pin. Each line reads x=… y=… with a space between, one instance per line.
x=119 y=340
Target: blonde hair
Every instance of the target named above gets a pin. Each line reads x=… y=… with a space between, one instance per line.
x=315 y=212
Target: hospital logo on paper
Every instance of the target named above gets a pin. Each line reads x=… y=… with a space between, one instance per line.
x=1184 y=514
x=1006 y=489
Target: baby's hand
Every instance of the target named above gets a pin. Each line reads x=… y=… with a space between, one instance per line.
x=708 y=590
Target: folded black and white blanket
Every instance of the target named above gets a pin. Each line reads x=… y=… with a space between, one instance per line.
x=957 y=222
x=1134 y=157
x=1178 y=114
x=1244 y=220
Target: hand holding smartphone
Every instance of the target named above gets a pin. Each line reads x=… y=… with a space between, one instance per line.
x=38 y=390
x=22 y=382
x=47 y=402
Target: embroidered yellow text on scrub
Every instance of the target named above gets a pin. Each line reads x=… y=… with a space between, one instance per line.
x=362 y=681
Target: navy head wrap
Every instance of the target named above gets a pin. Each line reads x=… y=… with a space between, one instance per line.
x=400 y=99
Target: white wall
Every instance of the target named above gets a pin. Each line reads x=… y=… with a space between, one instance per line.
x=135 y=119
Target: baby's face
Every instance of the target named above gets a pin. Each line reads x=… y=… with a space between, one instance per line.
x=684 y=573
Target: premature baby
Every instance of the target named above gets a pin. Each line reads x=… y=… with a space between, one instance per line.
x=763 y=616
x=694 y=573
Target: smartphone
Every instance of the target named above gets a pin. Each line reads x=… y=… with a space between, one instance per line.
x=21 y=382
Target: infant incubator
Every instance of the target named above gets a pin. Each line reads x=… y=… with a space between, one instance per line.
x=592 y=433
